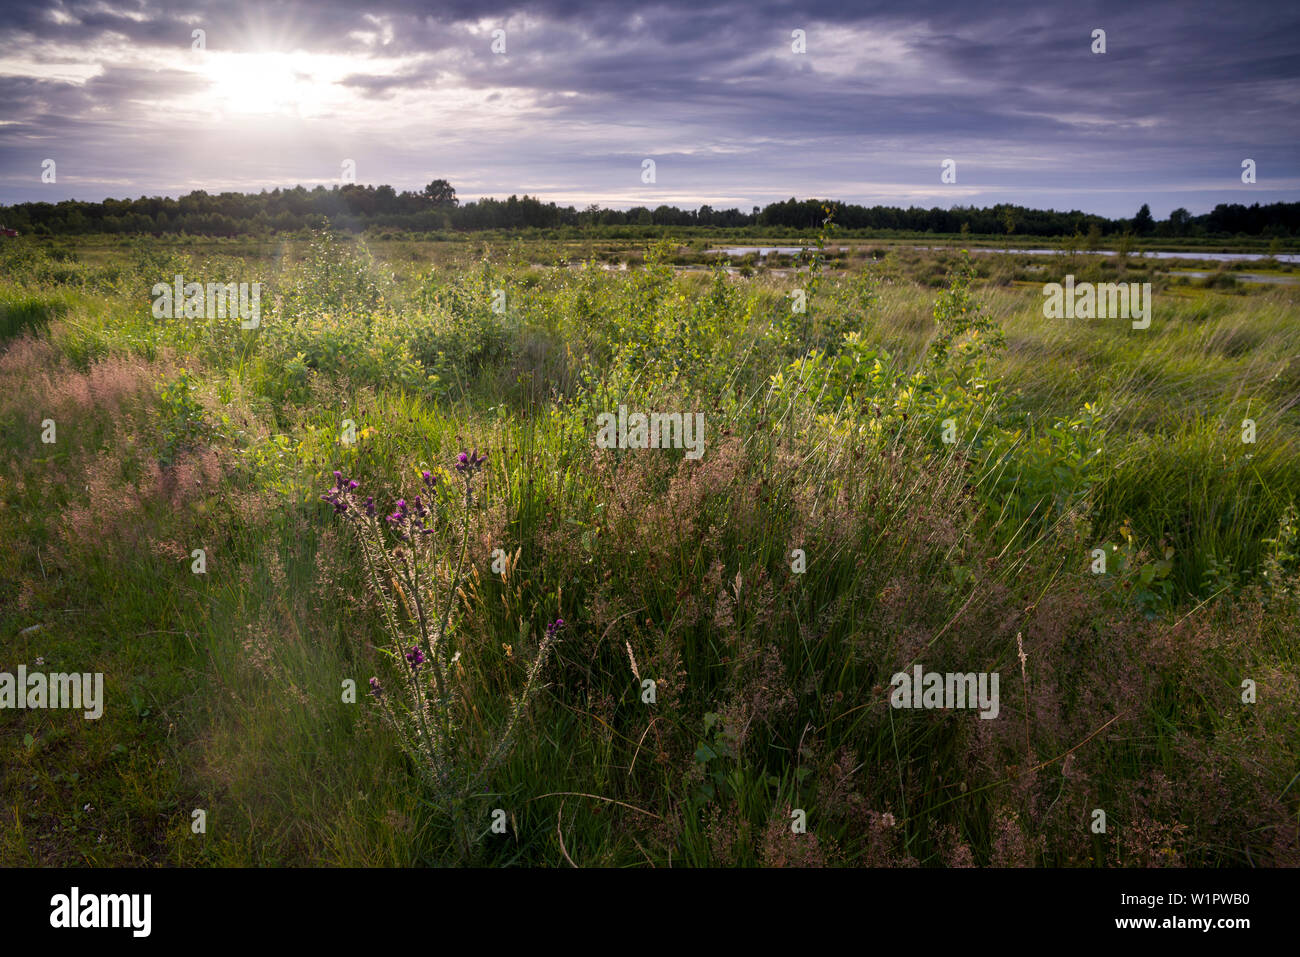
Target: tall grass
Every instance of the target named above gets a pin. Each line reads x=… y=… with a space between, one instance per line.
x=769 y=680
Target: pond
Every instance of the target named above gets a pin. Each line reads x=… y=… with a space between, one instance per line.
x=765 y=250
x=1239 y=276
x=1153 y=254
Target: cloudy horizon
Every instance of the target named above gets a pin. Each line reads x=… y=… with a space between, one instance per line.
x=715 y=93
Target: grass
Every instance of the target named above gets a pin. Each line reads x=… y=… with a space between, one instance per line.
x=225 y=691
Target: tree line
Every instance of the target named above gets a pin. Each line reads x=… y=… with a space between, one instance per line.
x=436 y=209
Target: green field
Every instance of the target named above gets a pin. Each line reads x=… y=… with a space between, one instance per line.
x=918 y=467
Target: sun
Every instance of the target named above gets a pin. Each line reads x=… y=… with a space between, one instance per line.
x=293 y=84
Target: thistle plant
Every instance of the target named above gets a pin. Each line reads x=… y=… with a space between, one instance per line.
x=415 y=570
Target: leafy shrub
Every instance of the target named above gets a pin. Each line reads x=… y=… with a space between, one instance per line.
x=182 y=424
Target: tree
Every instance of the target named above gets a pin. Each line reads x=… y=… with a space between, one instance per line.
x=441 y=193
x=1144 y=222
x=1179 y=220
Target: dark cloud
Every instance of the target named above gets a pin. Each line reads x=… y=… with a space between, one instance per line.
x=586 y=90
x=381 y=86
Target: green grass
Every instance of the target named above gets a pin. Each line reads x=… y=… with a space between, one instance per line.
x=224 y=690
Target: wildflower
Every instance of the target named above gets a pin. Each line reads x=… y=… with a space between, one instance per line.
x=553 y=629
x=471 y=462
x=415 y=657
x=430 y=480
x=336 y=495
x=40 y=661
x=399 y=519
x=376 y=688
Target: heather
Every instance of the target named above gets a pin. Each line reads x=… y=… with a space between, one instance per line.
x=394 y=481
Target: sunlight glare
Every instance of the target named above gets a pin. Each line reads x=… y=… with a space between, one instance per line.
x=269 y=83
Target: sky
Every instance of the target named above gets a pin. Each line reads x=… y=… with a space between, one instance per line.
x=576 y=95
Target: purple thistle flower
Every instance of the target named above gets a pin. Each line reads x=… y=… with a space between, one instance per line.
x=415 y=657
x=399 y=516
x=470 y=462
x=553 y=628
x=339 y=495
x=376 y=688
x=430 y=482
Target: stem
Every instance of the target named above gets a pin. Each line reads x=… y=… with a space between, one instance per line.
x=503 y=742
x=455 y=581
x=376 y=541
x=414 y=584
x=451 y=593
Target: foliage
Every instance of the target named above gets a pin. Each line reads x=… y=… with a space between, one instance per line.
x=917 y=469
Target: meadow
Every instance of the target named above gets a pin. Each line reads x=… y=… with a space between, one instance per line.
x=631 y=657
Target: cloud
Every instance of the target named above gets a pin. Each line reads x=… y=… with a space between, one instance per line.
x=712 y=91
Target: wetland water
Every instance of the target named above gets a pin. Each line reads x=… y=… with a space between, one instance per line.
x=1154 y=254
